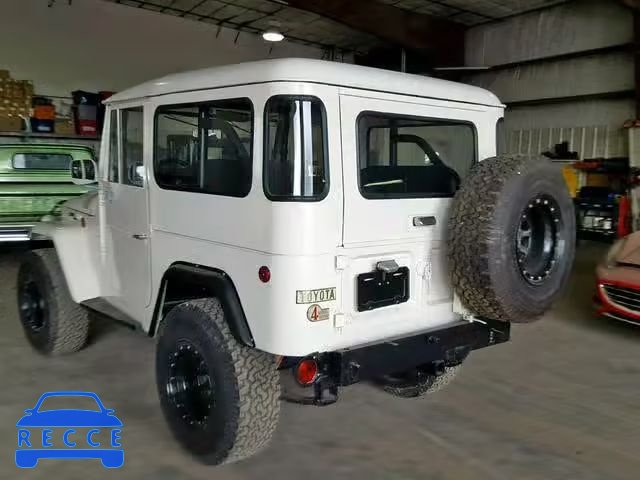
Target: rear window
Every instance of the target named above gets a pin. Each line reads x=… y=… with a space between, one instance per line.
x=41 y=161
x=411 y=157
x=295 y=155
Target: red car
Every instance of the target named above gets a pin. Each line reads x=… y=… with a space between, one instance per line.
x=618 y=287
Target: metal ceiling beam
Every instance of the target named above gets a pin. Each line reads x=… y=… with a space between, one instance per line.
x=439 y=39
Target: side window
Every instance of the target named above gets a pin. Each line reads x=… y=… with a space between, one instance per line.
x=132 y=134
x=405 y=157
x=113 y=147
x=205 y=147
x=295 y=159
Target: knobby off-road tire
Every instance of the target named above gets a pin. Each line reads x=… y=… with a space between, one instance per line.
x=511 y=238
x=221 y=399
x=425 y=386
x=52 y=322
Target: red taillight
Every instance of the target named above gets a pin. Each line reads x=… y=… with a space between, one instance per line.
x=306 y=371
x=264 y=274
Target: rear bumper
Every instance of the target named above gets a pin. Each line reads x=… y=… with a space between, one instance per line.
x=450 y=345
x=432 y=350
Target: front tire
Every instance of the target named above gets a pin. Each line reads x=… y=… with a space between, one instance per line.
x=221 y=399
x=52 y=322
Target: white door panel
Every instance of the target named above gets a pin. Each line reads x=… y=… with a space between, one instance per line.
x=127 y=225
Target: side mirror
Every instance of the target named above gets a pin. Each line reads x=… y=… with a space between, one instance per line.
x=83 y=172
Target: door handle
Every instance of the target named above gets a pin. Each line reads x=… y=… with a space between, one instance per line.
x=140 y=236
x=428 y=221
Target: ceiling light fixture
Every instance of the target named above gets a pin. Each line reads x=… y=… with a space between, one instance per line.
x=273 y=36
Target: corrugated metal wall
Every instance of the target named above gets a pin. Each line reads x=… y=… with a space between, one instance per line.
x=583 y=99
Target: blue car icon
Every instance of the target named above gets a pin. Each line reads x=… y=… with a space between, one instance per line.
x=32 y=446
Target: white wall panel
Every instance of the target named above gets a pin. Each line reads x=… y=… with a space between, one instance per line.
x=593 y=127
x=563 y=78
x=572 y=27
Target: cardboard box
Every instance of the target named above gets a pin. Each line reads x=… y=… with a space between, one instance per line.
x=44 y=112
x=10 y=124
x=64 y=126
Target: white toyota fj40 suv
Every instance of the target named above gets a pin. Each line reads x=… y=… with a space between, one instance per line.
x=288 y=227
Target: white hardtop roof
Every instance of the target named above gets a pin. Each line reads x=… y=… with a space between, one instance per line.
x=308 y=70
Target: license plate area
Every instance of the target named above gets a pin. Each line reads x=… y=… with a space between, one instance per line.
x=379 y=289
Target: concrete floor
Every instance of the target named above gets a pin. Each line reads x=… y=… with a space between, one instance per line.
x=561 y=401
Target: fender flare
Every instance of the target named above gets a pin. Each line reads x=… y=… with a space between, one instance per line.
x=217 y=283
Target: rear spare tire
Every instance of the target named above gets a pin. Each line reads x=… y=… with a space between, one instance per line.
x=511 y=238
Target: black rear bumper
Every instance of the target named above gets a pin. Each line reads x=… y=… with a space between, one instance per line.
x=431 y=351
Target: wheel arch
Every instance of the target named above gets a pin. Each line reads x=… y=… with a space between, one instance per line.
x=184 y=281
x=76 y=250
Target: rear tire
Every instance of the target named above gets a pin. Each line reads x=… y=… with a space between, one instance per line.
x=221 y=399
x=52 y=322
x=511 y=238
x=424 y=386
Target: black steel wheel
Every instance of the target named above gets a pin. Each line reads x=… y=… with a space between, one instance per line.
x=220 y=398
x=538 y=240
x=32 y=305
x=52 y=322
x=189 y=385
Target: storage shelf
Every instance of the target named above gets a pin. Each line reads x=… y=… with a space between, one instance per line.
x=52 y=136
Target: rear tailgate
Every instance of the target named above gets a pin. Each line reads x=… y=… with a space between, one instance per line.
x=401 y=167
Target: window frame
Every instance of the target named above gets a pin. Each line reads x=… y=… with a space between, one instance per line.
x=158 y=111
x=265 y=147
x=122 y=178
x=450 y=121
x=118 y=145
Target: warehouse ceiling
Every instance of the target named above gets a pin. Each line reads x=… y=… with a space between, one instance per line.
x=302 y=25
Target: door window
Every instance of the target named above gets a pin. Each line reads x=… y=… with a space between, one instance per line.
x=405 y=157
x=205 y=147
x=132 y=135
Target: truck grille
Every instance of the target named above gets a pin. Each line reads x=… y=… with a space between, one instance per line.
x=625 y=297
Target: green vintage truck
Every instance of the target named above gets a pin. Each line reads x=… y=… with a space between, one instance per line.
x=34 y=180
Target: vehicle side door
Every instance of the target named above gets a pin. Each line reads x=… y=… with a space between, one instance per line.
x=126 y=210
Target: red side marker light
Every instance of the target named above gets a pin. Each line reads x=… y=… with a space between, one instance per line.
x=307 y=371
x=264 y=274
